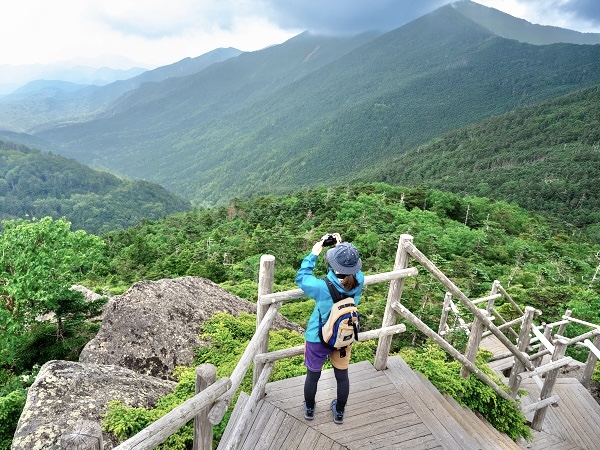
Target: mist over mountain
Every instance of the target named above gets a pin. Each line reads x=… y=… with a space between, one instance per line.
x=315 y=109
x=50 y=103
x=13 y=77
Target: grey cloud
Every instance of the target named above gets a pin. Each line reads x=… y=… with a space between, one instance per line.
x=584 y=10
x=347 y=17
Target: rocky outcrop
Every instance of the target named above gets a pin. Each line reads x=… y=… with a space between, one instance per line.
x=154 y=326
x=65 y=393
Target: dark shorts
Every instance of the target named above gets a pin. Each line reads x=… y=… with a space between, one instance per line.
x=316 y=353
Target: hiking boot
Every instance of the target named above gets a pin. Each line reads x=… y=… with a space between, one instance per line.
x=338 y=417
x=309 y=413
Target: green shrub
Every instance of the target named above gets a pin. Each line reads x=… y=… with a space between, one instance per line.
x=444 y=374
x=11 y=406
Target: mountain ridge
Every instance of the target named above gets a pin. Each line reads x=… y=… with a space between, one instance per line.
x=266 y=122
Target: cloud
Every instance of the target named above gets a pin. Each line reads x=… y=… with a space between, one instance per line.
x=344 y=17
x=158 y=32
x=579 y=15
x=157 y=19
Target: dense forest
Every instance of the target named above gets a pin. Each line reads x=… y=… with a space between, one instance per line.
x=34 y=185
x=474 y=240
x=544 y=158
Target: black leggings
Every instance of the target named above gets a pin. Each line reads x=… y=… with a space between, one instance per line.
x=343 y=387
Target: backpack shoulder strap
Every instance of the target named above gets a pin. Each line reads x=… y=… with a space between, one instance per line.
x=335 y=294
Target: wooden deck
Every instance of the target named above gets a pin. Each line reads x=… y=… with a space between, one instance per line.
x=573 y=424
x=390 y=409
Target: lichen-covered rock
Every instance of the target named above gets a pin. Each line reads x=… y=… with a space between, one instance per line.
x=66 y=392
x=154 y=326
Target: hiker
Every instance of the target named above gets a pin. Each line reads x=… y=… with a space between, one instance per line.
x=344 y=264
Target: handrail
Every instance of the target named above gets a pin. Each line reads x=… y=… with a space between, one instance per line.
x=294 y=294
x=220 y=407
x=157 y=432
x=299 y=349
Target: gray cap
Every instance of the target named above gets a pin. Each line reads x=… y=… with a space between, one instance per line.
x=344 y=258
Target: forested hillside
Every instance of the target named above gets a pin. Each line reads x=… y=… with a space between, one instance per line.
x=474 y=240
x=34 y=185
x=284 y=117
x=546 y=158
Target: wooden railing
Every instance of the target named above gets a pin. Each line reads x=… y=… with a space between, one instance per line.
x=213 y=397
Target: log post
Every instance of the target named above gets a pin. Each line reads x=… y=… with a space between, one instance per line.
x=394 y=293
x=522 y=344
x=410 y=317
x=206 y=374
x=590 y=364
x=245 y=418
x=560 y=347
x=265 y=286
x=562 y=326
x=85 y=435
x=548 y=335
x=477 y=332
x=493 y=292
x=473 y=344
x=158 y=432
x=445 y=310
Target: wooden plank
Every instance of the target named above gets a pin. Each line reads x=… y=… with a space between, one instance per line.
x=324 y=443
x=545 y=441
x=370 y=423
x=263 y=414
x=283 y=431
x=235 y=415
x=309 y=440
x=426 y=442
x=394 y=437
x=293 y=400
x=575 y=419
x=359 y=370
x=445 y=429
x=579 y=414
x=297 y=436
x=270 y=430
x=478 y=428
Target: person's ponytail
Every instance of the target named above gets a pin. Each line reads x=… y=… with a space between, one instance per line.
x=349 y=282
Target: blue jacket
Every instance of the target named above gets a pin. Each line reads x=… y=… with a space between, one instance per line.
x=316 y=288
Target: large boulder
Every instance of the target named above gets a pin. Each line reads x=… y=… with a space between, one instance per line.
x=65 y=393
x=154 y=326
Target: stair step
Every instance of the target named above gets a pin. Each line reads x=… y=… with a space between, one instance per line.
x=476 y=426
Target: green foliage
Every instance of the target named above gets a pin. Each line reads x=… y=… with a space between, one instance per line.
x=37 y=185
x=444 y=374
x=228 y=337
x=40 y=344
x=13 y=394
x=542 y=157
x=359 y=100
x=39 y=262
x=539 y=266
x=11 y=406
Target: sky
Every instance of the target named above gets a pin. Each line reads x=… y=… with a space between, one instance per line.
x=151 y=33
